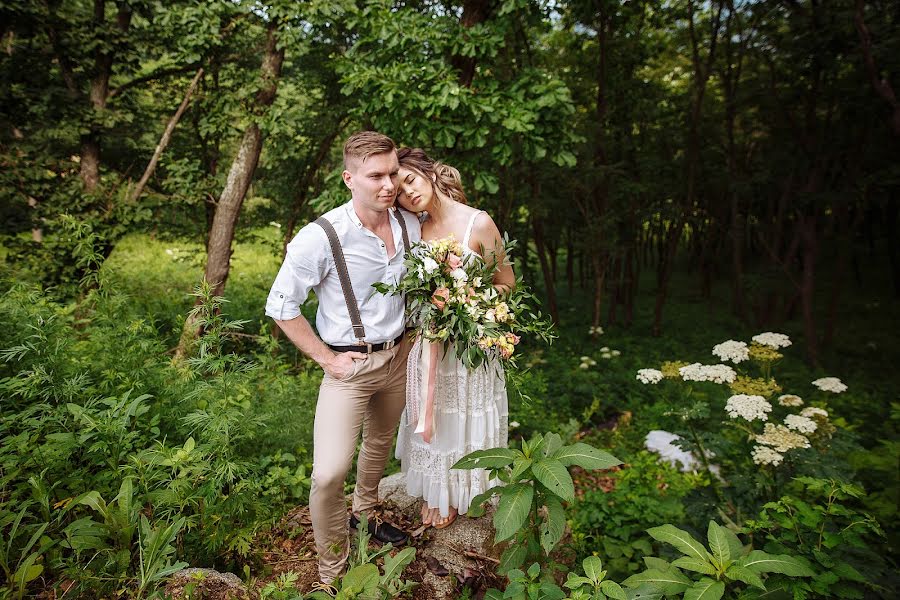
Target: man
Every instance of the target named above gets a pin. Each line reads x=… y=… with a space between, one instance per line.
x=362 y=349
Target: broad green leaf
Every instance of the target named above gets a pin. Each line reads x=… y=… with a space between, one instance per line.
x=679 y=538
x=705 y=589
x=551 y=591
x=574 y=581
x=763 y=562
x=846 y=571
x=513 y=510
x=491 y=458
x=358 y=579
x=394 y=565
x=493 y=594
x=644 y=592
x=512 y=558
x=28 y=571
x=593 y=568
x=734 y=543
x=553 y=528
x=585 y=456
x=94 y=500
x=613 y=590
x=555 y=478
x=718 y=543
x=692 y=564
x=739 y=573
x=519 y=467
x=669 y=582
x=85 y=534
x=552 y=443
x=476 y=507
x=657 y=563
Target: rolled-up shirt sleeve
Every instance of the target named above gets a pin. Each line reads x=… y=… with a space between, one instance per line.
x=305 y=266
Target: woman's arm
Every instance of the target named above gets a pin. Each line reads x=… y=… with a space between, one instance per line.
x=487 y=241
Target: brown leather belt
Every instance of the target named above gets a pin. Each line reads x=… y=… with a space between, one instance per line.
x=369 y=348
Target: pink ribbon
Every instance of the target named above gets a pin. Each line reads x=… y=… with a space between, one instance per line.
x=425 y=424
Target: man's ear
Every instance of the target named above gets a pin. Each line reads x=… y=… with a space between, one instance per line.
x=347 y=176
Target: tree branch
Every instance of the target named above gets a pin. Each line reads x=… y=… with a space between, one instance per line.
x=152 y=76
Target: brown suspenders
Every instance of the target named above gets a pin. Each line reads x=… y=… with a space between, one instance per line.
x=340 y=263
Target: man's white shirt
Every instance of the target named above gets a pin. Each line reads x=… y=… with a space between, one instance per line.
x=309 y=265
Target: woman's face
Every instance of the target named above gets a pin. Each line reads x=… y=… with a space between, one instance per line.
x=416 y=192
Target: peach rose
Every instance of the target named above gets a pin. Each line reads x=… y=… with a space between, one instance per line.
x=440 y=297
x=453 y=261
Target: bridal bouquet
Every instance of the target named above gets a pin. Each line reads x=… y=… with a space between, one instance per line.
x=452 y=300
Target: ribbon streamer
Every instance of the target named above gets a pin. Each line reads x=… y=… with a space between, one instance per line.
x=425 y=422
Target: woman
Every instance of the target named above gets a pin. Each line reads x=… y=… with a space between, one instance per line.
x=470 y=407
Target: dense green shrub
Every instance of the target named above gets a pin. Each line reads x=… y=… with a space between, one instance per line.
x=614 y=523
x=819 y=521
x=118 y=462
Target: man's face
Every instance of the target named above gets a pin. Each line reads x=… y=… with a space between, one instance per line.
x=373 y=182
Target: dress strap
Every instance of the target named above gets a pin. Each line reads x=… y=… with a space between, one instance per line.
x=465 y=242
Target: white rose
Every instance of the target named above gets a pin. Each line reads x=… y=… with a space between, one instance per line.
x=429 y=264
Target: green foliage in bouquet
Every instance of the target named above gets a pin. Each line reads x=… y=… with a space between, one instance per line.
x=452 y=300
x=537 y=482
x=703 y=573
x=818 y=522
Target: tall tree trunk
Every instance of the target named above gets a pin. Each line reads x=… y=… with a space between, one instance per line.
x=164 y=140
x=880 y=83
x=546 y=271
x=702 y=71
x=99 y=95
x=240 y=175
x=664 y=271
x=845 y=250
x=807 y=287
x=474 y=12
x=242 y=169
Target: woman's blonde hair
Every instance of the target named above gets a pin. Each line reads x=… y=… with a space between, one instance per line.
x=443 y=178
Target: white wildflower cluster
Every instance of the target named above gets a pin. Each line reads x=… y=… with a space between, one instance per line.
x=733 y=351
x=749 y=408
x=178 y=254
x=714 y=373
x=790 y=400
x=513 y=424
x=800 y=423
x=781 y=438
x=814 y=411
x=763 y=455
x=772 y=340
x=606 y=353
x=587 y=362
x=275 y=224
x=595 y=330
x=830 y=384
x=649 y=376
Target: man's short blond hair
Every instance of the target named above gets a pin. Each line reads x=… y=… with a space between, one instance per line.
x=363 y=144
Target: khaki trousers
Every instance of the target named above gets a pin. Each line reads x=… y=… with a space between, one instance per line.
x=371 y=398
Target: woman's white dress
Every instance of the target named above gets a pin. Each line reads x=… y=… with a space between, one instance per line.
x=471 y=412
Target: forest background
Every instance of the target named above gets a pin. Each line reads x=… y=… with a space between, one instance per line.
x=677 y=174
